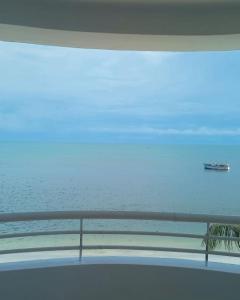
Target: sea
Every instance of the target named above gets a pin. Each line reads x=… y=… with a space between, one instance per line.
x=38 y=176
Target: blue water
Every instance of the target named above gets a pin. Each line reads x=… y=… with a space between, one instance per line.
x=39 y=177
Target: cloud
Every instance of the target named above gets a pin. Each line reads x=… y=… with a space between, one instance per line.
x=201 y=131
x=53 y=89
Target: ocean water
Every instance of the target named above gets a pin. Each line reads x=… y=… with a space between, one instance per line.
x=40 y=177
x=163 y=178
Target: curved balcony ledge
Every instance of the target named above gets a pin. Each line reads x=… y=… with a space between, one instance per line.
x=167 y=261
x=118 y=278
x=114 y=41
x=123 y=24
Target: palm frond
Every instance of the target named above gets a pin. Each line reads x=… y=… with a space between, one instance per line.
x=225 y=231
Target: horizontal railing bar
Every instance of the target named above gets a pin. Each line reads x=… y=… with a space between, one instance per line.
x=102 y=247
x=118 y=247
x=38 y=249
x=145 y=233
x=222 y=253
x=143 y=248
x=117 y=232
x=162 y=249
x=224 y=238
x=124 y=215
x=102 y=232
x=38 y=233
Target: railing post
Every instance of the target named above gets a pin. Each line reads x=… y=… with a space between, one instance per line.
x=207 y=244
x=81 y=239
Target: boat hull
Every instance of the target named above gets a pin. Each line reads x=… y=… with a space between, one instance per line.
x=217 y=167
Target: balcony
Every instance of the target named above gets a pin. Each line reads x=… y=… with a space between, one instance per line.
x=134 y=271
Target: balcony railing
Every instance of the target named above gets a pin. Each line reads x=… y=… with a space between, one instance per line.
x=82 y=216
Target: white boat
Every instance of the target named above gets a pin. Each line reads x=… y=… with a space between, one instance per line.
x=218 y=167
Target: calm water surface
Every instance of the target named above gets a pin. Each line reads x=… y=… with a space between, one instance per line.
x=36 y=177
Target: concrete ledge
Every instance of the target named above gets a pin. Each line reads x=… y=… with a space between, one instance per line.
x=118 y=278
x=111 y=41
x=120 y=260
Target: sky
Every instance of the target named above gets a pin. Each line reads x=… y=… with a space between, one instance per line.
x=101 y=96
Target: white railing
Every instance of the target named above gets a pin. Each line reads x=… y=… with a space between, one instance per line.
x=119 y=215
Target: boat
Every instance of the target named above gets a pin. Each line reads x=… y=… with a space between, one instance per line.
x=218 y=167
